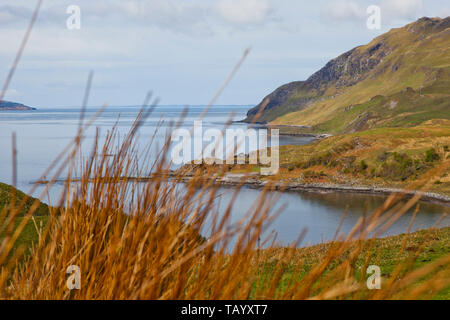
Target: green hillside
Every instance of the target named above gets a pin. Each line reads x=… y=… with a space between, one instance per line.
x=400 y=79
x=7 y=193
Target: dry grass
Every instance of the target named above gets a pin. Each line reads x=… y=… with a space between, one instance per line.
x=142 y=241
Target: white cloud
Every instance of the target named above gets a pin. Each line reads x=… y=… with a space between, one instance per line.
x=244 y=11
x=61 y=43
x=344 y=10
x=9 y=14
x=393 y=12
x=193 y=18
x=12 y=93
x=402 y=9
x=176 y=16
x=171 y=15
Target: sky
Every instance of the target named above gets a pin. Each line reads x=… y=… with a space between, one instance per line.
x=183 y=50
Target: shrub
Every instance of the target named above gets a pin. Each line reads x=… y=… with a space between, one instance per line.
x=364 y=165
x=383 y=156
x=398 y=166
x=322 y=159
x=310 y=174
x=431 y=155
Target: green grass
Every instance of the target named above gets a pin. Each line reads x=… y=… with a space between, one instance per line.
x=29 y=234
x=404 y=109
x=6 y=195
x=386 y=253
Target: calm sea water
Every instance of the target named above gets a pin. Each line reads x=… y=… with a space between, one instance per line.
x=42 y=134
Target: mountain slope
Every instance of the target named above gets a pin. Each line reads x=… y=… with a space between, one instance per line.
x=401 y=78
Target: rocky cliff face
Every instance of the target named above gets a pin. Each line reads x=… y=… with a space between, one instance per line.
x=345 y=71
x=349 y=68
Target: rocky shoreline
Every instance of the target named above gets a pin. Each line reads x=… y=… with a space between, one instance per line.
x=254 y=182
x=317 y=136
x=232 y=180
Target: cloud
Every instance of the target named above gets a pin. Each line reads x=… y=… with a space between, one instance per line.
x=444 y=12
x=9 y=14
x=175 y=16
x=402 y=9
x=12 y=93
x=170 y=15
x=195 y=18
x=244 y=11
x=393 y=12
x=60 y=43
x=344 y=10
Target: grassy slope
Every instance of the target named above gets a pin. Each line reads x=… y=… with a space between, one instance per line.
x=29 y=234
x=404 y=109
x=386 y=253
x=6 y=194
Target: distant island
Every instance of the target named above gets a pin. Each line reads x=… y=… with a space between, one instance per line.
x=8 y=105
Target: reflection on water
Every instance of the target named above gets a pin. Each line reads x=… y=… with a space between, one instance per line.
x=43 y=134
x=321 y=214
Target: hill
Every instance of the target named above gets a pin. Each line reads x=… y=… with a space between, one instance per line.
x=8 y=105
x=400 y=79
x=6 y=194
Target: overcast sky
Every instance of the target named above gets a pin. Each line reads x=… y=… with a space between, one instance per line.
x=183 y=50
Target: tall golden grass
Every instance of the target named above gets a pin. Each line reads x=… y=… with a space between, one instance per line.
x=142 y=240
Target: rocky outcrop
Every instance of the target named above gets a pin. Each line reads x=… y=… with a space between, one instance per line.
x=349 y=68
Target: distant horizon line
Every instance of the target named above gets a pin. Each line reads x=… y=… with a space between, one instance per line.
x=158 y=105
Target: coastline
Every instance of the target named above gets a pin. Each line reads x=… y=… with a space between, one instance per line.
x=317 y=136
x=249 y=181
x=24 y=108
x=232 y=180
